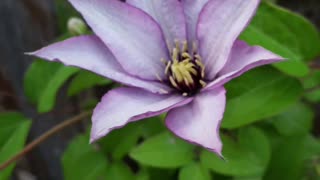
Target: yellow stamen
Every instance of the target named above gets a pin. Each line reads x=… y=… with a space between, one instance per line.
x=174 y=84
x=198 y=57
x=203 y=84
x=186 y=55
x=202 y=67
x=186 y=81
x=185 y=46
x=182 y=71
x=186 y=75
x=167 y=68
x=193 y=71
x=185 y=69
x=175 y=55
x=177 y=45
x=176 y=72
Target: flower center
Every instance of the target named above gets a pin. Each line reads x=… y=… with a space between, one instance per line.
x=185 y=70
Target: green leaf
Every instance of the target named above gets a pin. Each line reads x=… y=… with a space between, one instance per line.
x=85 y=80
x=313 y=96
x=129 y=136
x=286 y=34
x=64 y=11
x=82 y=161
x=259 y=94
x=312 y=80
x=43 y=80
x=48 y=97
x=161 y=174
x=119 y=171
x=152 y=126
x=163 y=150
x=312 y=156
x=37 y=77
x=296 y=120
x=143 y=174
x=14 y=129
x=290 y=157
x=248 y=178
x=248 y=156
x=312 y=146
x=312 y=87
x=194 y=171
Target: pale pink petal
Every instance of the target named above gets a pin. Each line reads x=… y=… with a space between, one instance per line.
x=90 y=53
x=169 y=14
x=123 y=105
x=243 y=58
x=198 y=122
x=192 y=9
x=220 y=23
x=132 y=36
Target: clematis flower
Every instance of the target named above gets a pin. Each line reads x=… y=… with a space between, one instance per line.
x=173 y=56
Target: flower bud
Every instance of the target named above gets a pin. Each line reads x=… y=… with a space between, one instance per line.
x=77 y=26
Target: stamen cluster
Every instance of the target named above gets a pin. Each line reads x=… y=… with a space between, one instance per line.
x=185 y=70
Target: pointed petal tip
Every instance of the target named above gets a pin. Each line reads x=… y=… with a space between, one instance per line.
x=200 y=128
x=243 y=58
x=230 y=17
x=137 y=105
x=35 y=53
x=29 y=53
x=41 y=53
x=95 y=136
x=217 y=151
x=92 y=140
x=145 y=35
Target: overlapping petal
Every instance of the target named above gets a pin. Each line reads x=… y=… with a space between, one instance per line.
x=192 y=9
x=133 y=37
x=199 y=121
x=169 y=14
x=243 y=58
x=89 y=52
x=220 y=23
x=123 y=105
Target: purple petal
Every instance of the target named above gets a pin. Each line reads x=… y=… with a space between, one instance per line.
x=220 y=23
x=132 y=36
x=169 y=14
x=90 y=53
x=192 y=9
x=199 y=121
x=243 y=58
x=123 y=105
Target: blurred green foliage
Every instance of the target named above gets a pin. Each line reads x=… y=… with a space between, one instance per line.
x=14 y=128
x=286 y=34
x=266 y=129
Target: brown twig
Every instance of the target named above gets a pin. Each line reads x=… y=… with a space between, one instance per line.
x=43 y=137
